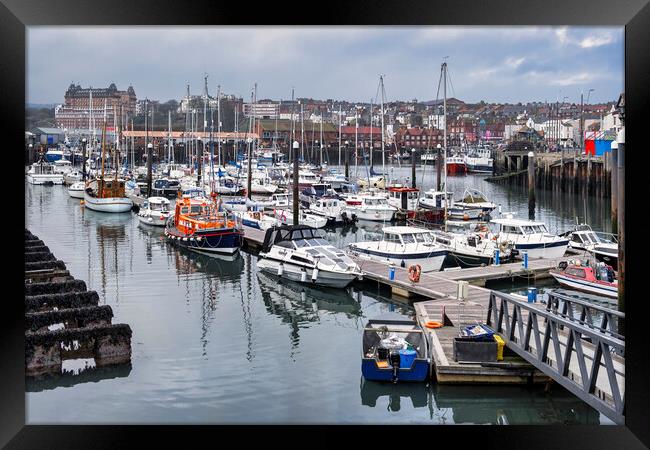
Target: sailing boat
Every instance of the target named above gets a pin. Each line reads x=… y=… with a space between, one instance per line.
x=106 y=195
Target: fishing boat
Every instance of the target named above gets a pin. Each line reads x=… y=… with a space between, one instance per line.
x=403 y=198
x=301 y=253
x=370 y=207
x=479 y=160
x=199 y=225
x=599 y=279
x=332 y=208
x=456 y=165
x=394 y=348
x=155 y=211
x=530 y=236
x=76 y=190
x=42 y=172
x=403 y=246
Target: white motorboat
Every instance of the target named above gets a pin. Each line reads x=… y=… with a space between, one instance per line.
x=256 y=219
x=301 y=253
x=433 y=199
x=403 y=246
x=155 y=211
x=474 y=249
x=76 y=190
x=107 y=196
x=72 y=177
x=332 y=208
x=62 y=166
x=473 y=198
x=584 y=239
x=43 y=173
x=530 y=236
x=479 y=160
x=599 y=279
x=285 y=217
x=370 y=207
x=280 y=200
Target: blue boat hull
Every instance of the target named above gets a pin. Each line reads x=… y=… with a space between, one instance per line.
x=226 y=242
x=419 y=371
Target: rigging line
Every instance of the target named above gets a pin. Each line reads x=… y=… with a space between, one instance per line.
x=453 y=91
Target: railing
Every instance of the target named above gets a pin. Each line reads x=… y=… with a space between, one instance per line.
x=531 y=332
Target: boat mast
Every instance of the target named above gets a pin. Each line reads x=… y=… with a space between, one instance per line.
x=302 y=132
x=444 y=109
x=339 y=133
x=383 y=156
x=218 y=125
x=371 y=125
x=293 y=105
x=321 y=139
x=103 y=150
x=187 y=120
x=356 y=139
x=170 y=147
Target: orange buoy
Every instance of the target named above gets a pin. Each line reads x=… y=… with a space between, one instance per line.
x=433 y=324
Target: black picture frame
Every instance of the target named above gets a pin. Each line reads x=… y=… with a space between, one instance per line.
x=15 y=15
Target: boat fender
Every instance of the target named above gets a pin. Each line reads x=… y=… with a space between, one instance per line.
x=198 y=238
x=303 y=275
x=280 y=269
x=402 y=264
x=414 y=273
x=314 y=274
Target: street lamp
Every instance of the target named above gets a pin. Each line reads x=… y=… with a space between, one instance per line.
x=347 y=160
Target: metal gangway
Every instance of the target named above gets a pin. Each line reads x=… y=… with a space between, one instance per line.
x=588 y=357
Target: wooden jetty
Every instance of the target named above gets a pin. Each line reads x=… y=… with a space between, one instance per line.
x=63 y=319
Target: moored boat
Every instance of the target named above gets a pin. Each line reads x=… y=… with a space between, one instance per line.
x=76 y=190
x=199 y=225
x=301 y=253
x=599 y=279
x=394 y=349
x=155 y=211
x=531 y=237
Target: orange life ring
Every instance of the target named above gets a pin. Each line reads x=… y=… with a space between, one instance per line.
x=433 y=324
x=414 y=273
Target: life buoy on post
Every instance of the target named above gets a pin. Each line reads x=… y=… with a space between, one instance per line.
x=414 y=273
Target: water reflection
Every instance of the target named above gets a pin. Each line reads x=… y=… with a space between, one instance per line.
x=448 y=404
x=69 y=378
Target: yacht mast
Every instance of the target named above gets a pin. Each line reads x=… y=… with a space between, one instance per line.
x=383 y=155
x=219 y=124
x=339 y=133
x=444 y=108
x=302 y=132
x=321 y=139
x=170 y=147
x=356 y=138
x=371 y=125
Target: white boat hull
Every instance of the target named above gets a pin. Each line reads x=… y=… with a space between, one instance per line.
x=427 y=264
x=542 y=252
x=152 y=220
x=109 y=205
x=45 y=179
x=295 y=273
x=372 y=214
x=76 y=193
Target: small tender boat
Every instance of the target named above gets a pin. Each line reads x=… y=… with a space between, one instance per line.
x=394 y=349
x=530 y=236
x=403 y=246
x=76 y=190
x=599 y=279
x=370 y=207
x=199 y=225
x=301 y=253
x=155 y=211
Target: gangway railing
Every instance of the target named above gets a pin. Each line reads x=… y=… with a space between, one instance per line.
x=576 y=364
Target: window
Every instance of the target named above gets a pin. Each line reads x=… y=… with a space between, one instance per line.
x=408 y=239
x=389 y=237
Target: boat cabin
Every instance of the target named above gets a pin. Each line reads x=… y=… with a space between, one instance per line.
x=193 y=214
x=407 y=235
x=403 y=197
x=42 y=169
x=518 y=226
x=436 y=199
x=156 y=204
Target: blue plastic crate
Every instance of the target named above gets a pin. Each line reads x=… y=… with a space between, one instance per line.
x=481 y=333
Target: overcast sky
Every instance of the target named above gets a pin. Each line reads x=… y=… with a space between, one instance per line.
x=495 y=64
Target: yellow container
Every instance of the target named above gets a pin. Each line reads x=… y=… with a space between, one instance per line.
x=500 y=344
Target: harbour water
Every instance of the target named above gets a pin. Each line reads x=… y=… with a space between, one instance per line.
x=218 y=342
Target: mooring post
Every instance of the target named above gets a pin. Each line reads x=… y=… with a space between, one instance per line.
x=347 y=160
x=294 y=187
x=149 y=158
x=83 y=159
x=438 y=167
x=614 y=186
x=200 y=158
x=531 y=185
x=413 y=168
x=621 y=226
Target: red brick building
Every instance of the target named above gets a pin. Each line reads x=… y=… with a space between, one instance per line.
x=363 y=136
x=418 y=138
x=75 y=112
x=462 y=130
